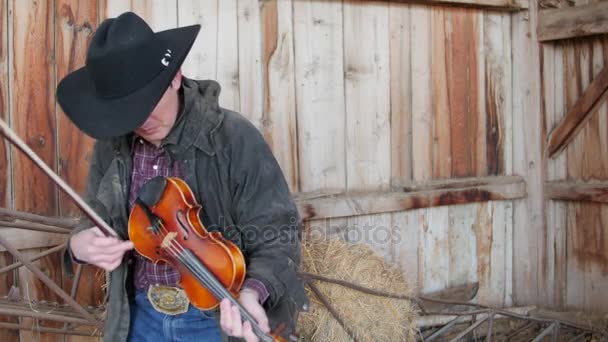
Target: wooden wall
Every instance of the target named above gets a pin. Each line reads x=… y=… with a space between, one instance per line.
x=577 y=234
x=352 y=96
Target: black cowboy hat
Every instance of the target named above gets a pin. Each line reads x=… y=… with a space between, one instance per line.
x=128 y=69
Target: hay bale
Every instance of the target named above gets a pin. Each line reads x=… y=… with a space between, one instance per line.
x=370 y=318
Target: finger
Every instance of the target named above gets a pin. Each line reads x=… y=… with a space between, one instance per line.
x=237 y=324
x=119 y=248
x=105 y=242
x=248 y=333
x=225 y=319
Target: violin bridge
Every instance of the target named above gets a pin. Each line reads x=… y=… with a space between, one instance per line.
x=168 y=239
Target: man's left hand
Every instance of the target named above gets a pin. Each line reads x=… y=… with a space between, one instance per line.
x=230 y=317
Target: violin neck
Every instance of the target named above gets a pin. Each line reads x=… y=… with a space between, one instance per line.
x=205 y=277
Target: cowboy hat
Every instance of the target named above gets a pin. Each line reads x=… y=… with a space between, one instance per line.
x=127 y=71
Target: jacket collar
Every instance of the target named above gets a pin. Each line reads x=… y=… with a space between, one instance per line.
x=199 y=118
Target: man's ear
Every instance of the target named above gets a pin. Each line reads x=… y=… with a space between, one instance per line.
x=176 y=83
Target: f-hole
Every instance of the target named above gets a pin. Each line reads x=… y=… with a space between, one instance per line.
x=181 y=219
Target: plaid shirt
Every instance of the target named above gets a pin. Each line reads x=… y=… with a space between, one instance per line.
x=150 y=161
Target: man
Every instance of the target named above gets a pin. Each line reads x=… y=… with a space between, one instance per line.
x=151 y=121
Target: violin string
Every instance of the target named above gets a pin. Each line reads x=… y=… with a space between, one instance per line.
x=201 y=272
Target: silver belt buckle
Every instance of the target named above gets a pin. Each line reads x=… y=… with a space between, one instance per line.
x=168 y=300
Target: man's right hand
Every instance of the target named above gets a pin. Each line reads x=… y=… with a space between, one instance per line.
x=91 y=246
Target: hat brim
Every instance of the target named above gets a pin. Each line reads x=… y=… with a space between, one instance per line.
x=104 y=118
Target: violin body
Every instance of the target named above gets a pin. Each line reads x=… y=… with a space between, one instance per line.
x=181 y=233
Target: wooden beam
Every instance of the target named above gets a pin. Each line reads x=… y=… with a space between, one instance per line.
x=577 y=191
x=570 y=22
x=502 y=5
x=434 y=193
x=572 y=122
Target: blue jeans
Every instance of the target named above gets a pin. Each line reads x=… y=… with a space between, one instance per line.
x=150 y=325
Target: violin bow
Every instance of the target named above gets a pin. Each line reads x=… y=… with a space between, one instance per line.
x=14 y=139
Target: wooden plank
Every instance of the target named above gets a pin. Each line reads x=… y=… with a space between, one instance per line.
x=75 y=24
x=579 y=113
x=367 y=89
x=571 y=22
x=354 y=204
x=8 y=279
x=435 y=251
x=554 y=261
x=421 y=93
x=463 y=91
x=160 y=15
x=228 y=54
x=5 y=152
x=577 y=191
x=441 y=109
x=34 y=120
x=202 y=59
x=457 y=183
x=32 y=104
x=319 y=91
x=280 y=128
x=527 y=157
x=505 y=5
x=401 y=92
x=251 y=79
x=464 y=249
x=405 y=225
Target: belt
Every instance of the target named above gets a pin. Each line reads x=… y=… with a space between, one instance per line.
x=168 y=300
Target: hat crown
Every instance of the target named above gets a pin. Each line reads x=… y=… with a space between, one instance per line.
x=124 y=55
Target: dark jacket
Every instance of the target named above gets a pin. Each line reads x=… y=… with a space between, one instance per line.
x=239 y=184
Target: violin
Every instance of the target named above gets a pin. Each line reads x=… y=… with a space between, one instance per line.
x=164 y=225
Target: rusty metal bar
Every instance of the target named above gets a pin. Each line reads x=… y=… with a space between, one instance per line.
x=490 y=325
x=34 y=258
x=469 y=329
x=34 y=226
x=51 y=221
x=443 y=330
x=556 y=332
x=544 y=333
x=15 y=326
x=51 y=284
x=579 y=337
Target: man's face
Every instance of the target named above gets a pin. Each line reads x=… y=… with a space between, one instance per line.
x=159 y=123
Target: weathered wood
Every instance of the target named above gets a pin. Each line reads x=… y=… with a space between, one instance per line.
x=506 y=5
x=463 y=92
x=579 y=113
x=320 y=94
x=8 y=214
x=6 y=280
x=75 y=23
x=577 y=191
x=367 y=83
x=355 y=204
x=528 y=222
x=456 y=183
x=33 y=118
x=436 y=320
x=279 y=117
x=571 y=22
x=251 y=79
x=202 y=59
x=228 y=54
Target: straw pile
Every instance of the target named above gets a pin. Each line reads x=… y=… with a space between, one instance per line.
x=370 y=318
